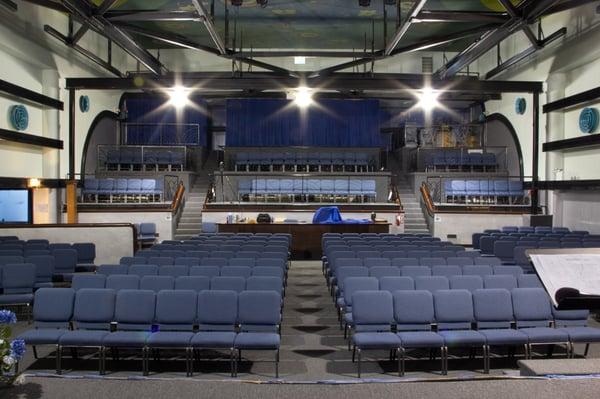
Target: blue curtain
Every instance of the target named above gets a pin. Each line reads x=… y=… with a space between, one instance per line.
x=151 y=121
x=280 y=123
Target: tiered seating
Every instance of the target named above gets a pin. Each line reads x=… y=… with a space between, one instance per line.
x=510 y=244
x=404 y=320
x=308 y=189
x=122 y=190
x=303 y=161
x=459 y=160
x=484 y=191
x=187 y=320
x=145 y=158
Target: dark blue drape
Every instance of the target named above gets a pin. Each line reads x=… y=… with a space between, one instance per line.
x=280 y=123
x=152 y=121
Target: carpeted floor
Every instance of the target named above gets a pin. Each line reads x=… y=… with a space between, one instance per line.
x=313 y=349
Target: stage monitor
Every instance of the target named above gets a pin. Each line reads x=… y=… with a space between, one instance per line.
x=15 y=206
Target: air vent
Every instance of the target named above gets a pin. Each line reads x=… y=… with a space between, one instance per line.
x=427 y=64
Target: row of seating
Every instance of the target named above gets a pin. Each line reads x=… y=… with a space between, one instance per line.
x=304 y=161
x=60 y=265
x=458 y=160
x=483 y=319
x=184 y=270
x=538 y=229
x=251 y=189
x=86 y=251
x=504 y=248
x=183 y=320
x=145 y=159
x=226 y=245
x=246 y=258
x=196 y=283
x=122 y=190
x=494 y=191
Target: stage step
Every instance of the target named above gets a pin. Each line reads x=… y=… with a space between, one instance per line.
x=544 y=367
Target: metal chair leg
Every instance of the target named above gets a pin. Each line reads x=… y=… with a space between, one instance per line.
x=401 y=362
x=58 y=359
x=277 y=364
x=587 y=348
x=358 y=354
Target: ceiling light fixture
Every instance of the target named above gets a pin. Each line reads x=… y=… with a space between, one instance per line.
x=178 y=96
x=299 y=60
x=303 y=97
x=428 y=99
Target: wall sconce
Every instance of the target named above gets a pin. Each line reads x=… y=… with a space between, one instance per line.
x=34 y=183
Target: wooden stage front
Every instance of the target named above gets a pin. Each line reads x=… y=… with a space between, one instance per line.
x=306 y=237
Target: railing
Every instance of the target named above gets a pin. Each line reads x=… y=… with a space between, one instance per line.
x=141 y=158
x=422 y=159
x=178 y=203
x=427 y=201
x=442 y=194
x=396 y=196
x=162 y=133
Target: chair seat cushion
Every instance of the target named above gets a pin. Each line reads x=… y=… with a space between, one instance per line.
x=83 y=338
x=376 y=340
x=127 y=339
x=420 y=339
x=7 y=299
x=540 y=335
x=213 y=339
x=169 y=339
x=257 y=340
x=462 y=338
x=42 y=336
x=504 y=336
x=582 y=334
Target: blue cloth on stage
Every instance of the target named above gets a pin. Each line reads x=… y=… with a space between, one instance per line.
x=332 y=215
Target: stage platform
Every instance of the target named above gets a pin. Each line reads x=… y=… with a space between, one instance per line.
x=306 y=237
x=545 y=367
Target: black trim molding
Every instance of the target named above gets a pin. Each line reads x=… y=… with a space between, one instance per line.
x=22 y=93
x=31 y=139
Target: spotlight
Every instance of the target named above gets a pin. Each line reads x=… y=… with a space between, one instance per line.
x=262 y=3
x=178 y=96
x=364 y=3
x=303 y=97
x=428 y=99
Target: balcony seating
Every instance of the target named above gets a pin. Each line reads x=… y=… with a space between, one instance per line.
x=121 y=190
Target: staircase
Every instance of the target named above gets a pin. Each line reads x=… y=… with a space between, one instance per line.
x=414 y=221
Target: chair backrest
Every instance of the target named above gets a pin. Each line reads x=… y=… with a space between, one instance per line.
x=372 y=310
x=384 y=271
x=400 y=262
x=236 y=271
x=157 y=283
x=470 y=283
x=88 y=281
x=176 y=309
x=477 y=270
x=453 y=309
x=493 y=308
x=413 y=310
x=86 y=252
x=272 y=271
x=18 y=278
x=432 y=261
x=44 y=267
x=195 y=283
x=459 y=260
x=174 y=271
x=431 y=283
x=94 y=308
x=259 y=311
x=119 y=282
x=65 y=260
x=392 y=284
x=245 y=262
x=108 y=270
x=264 y=283
x=53 y=307
x=531 y=307
x=143 y=270
x=414 y=271
x=508 y=270
x=373 y=262
x=217 y=310
x=207 y=271
x=346 y=272
x=505 y=281
x=134 y=309
x=529 y=281
x=446 y=271
x=228 y=283
x=354 y=284
x=160 y=260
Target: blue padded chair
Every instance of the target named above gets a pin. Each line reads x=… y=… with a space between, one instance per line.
x=506 y=281
x=327 y=187
x=341 y=187
x=265 y=283
x=106 y=188
x=529 y=281
x=373 y=316
x=86 y=254
x=454 y=315
x=93 y=312
x=52 y=312
x=401 y=262
x=18 y=283
x=384 y=271
x=344 y=272
x=157 y=283
x=504 y=250
x=134 y=188
x=120 y=188
x=259 y=317
x=493 y=312
x=489 y=161
x=477 y=270
x=11 y=259
x=44 y=269
x=472 y=188
x=533 y=315
x=65 y=262
x=174 y=271
x=236 y=271
x=206 y=271
x=352 y=285
x=432 y=261
x=147 y=233
x=117 y=282
x=187 y=261
x=369 y=188
x=134 y=314
x=431 y=283
x=446 y=271
x=194 y=283
x=392 y=284
x=414 y=315
x=374 y=262
x=90 y=188
x=515 y=271
x=515 y=189
x=143 y=270
x=574 y=323
x=148 y=188
x=175 y=316
x=459 y=188
x=108 y=270
x=228 y=283
x=88 y=281
x=487 y=261
x=501 y=189
x=214 y=262
x=415 y=271
x=217 y=317
x=268 y=271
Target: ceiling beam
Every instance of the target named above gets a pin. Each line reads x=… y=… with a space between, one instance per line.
x=414 y=11
x=302 y=53
x=431 y=16
x=9 y=4
x=152 y=16
x=567 y=5
x=206 y=20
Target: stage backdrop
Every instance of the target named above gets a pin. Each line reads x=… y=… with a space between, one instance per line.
x=152 y=121
x=280 y=123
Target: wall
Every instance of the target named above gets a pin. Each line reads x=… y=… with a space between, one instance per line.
x=162 y=220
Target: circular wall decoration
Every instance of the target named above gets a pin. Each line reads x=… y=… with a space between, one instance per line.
x=84 y=103
x=19 y=117
x=520 y=105
x=588 y=120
